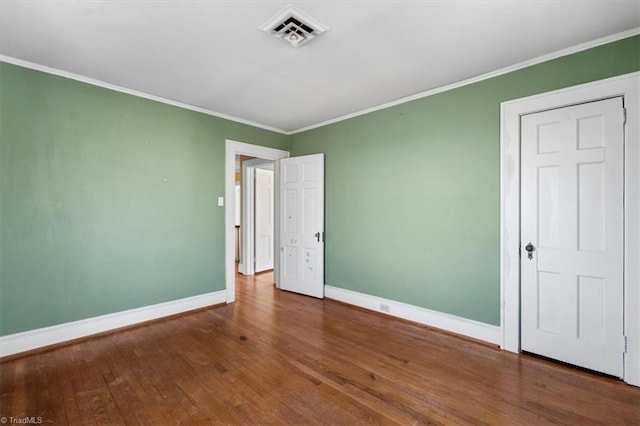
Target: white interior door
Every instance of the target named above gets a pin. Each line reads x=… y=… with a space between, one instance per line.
x=572 y=235
x=264 y=224
x=302 y=224
x=247 y=264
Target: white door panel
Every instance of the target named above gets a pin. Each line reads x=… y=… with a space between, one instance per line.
x=572 y=214
x=301 y=240
x=264 y=224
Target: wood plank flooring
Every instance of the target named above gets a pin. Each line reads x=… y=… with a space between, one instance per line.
x=279 y=358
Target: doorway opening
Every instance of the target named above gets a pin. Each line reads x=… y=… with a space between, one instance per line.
x=255 y=214
x=255 y=225
x=233 y=149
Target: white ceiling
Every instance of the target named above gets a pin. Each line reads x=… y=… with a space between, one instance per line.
x=210 y=54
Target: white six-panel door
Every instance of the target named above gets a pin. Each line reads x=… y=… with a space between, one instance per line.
x=302 y=224
x=572 y=224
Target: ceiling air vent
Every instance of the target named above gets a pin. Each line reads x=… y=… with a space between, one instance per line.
x=293 y=26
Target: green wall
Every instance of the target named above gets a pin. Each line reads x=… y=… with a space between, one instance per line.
x=107 y=201
x=413 y=191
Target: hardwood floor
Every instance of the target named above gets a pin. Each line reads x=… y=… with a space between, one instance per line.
x=279 y=358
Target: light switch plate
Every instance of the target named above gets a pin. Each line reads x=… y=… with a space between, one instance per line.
x=221 y=201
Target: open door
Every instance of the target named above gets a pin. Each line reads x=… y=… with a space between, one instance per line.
x=302 y=225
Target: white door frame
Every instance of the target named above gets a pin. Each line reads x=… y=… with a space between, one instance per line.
x=248 y=212
x=628 y=86
x=234 y=148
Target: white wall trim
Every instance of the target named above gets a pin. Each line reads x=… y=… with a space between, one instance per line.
x=472 y=80
x=466 y=327
x=47 y=336
x=234 y=148
x=540 y=59
x=121 y=89
x=627 y=86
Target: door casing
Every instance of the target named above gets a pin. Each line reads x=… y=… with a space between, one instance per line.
x=627 y=86
x=234 y=148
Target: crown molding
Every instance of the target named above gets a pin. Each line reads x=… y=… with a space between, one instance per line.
x=472 y=80
x=121 y=89
x=540 y=59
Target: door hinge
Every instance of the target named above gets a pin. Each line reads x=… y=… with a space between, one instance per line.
x=624 y=116
x=624 y=344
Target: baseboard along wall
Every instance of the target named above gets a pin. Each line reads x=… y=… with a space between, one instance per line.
x=454 y=324
x=34 y=339
x=39 y=338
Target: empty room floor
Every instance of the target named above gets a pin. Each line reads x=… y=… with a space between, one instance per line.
x=280 y=358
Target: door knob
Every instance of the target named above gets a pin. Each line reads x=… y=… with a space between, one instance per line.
x=530 y=249
x=318 y=236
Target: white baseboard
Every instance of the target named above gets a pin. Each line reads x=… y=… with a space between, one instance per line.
x=466 y=327
x=41 y=337
x=34 y=339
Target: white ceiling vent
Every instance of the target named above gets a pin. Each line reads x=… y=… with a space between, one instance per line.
x=293 y=26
